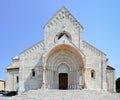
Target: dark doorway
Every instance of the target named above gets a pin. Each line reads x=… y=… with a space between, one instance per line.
x=63 y=81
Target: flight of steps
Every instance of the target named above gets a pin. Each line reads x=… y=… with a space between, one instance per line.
x=65 y=95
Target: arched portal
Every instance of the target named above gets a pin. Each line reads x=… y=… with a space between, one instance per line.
x=64 y=61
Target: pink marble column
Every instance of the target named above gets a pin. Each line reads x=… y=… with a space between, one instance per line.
x=44 y=85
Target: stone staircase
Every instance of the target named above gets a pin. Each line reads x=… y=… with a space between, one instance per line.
x=65 y=95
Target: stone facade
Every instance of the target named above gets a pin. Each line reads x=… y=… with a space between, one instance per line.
x=12 y=75
x=2 y=85
x=63 y=60
x=110 y=79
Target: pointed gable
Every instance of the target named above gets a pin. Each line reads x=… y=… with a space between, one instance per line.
x=63 y=21
x=63 y=13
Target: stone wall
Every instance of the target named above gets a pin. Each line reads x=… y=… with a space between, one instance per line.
x=2 y=85
x=110 y=79
x=11 y=80
x=96 y=61
x=31 y=59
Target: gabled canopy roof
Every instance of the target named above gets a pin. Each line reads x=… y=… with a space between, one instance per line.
x=2 y=81
x=12 y=67
x=110 y=68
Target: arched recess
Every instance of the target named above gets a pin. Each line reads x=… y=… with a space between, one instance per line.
x=62 y=33
x=64 y=55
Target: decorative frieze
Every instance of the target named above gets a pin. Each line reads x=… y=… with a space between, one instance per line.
x=39 y=45
x=62 y=14
x=92 y=48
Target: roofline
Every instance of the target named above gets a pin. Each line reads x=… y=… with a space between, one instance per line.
x=111 y=67
x=12 y=68
x=94 y=47
x=31 y=46
x=58 y=12
x=2 y=80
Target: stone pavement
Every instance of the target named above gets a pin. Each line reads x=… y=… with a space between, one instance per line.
x=65 y=95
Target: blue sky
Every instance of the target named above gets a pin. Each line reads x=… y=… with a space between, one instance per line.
x=22 y=22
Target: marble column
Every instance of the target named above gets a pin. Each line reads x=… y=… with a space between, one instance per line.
x=83 y=78
x=44 y=85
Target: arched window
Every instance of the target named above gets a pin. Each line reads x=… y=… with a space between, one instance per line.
x=33 y=72
x=93 y=74
x=61 y=34
x=17 y=79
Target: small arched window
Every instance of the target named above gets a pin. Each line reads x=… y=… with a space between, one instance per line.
x=33 y=72
x=62 y=34
x=93 y=74
x=17 y=79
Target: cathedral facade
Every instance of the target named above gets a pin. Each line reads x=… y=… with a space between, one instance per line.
x=63 y=60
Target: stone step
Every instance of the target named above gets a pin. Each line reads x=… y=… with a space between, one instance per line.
x=65 y=95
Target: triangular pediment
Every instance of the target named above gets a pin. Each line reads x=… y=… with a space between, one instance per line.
x=61 y=15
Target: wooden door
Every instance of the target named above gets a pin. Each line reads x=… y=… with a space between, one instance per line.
x=63 y=81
